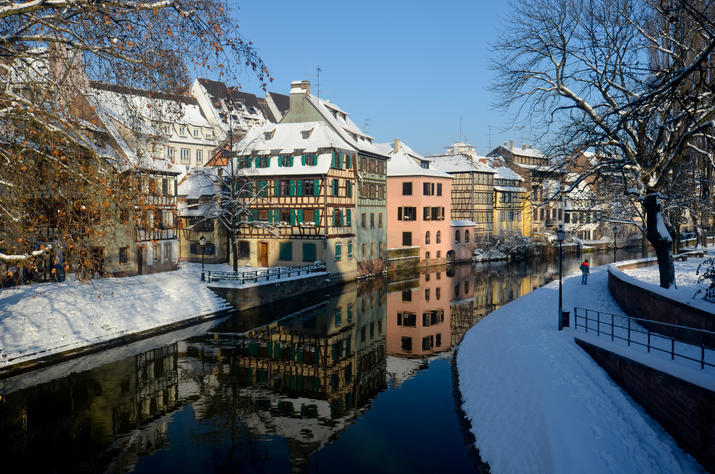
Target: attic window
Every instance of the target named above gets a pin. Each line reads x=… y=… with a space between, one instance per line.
x=424 y=164
x=269 y=134
x=181 y=130
x=306 y=133
x=196 y=132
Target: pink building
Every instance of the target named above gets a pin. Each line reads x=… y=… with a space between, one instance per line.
x=418 y=208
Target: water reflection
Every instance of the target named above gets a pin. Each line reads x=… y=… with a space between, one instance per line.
x=300 y=386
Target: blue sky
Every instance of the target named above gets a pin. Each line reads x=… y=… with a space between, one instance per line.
x=407 y=68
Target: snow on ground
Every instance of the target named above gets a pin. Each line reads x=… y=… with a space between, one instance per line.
x=42 y=319
x=686 y=282
x=538 y=403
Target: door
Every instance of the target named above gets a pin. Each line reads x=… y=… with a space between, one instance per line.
x=262 y=254
x=140 y=261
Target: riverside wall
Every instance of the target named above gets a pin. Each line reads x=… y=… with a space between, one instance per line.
x=685 y=410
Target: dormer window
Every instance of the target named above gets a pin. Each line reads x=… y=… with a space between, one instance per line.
x=196 y=132
x=306 y=133
x=424 y=164
x=269 y=134
x=167 y=129
x=181 y=130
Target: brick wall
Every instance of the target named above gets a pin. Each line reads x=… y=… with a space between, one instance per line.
x=683 y=409
x=641 y=303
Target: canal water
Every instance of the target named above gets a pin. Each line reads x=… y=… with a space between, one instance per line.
x=354 y=380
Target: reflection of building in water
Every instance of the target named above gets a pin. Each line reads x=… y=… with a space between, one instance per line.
x=86 y=414
x=418 y=316
x=302 y=377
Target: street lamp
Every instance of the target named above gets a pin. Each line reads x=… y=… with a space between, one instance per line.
x=202 y=241
x=560 y=232
x=615 y=229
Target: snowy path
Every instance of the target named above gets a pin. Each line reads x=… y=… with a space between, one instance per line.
x=43 y=319
x=538 y=403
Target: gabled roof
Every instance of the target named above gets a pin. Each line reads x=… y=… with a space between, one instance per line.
x=459 y=164
x=403 y=162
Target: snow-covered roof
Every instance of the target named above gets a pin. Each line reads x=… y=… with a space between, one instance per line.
x=509 y=189
x=199 y=182
x=459 y=163
x=403 y=163
x=287 y=138
x=341 y=122
x=462 y=223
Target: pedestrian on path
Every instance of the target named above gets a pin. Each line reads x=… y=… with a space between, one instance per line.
x=584 y=272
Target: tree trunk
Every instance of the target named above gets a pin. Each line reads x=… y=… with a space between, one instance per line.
x=659 y=238
x=235 y=253
x=644 y=244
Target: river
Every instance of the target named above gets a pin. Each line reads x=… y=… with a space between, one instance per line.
x=354 y=380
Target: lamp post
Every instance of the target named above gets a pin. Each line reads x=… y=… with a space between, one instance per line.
x=560 y=237
x=202 y=241
x=615 y=229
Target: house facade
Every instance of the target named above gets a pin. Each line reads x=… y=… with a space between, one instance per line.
x=419 y=206
x=304 y=177
x=370 y=169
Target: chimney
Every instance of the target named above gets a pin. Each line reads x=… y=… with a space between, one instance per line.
x=483 y=160
x=531 y=147
x=299 y=90
x=397 y=145
x=523 y=146
x=511 y=144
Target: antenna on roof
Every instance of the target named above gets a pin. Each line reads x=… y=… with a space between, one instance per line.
x=318 y=71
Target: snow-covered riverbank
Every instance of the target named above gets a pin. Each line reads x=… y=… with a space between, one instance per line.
x=538 y=403
x=43 y=319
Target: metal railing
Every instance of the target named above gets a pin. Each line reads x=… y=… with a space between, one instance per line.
x=265 y=274
x=632 y=330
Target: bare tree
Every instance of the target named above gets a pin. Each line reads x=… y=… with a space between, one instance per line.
x=629 y=79
x=59 y=173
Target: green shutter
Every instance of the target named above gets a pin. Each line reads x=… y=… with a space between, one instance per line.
x=290 y=161
x=292 y=217
x=276 y=187
x=276 y=216
x=317 y=217
x=299 y=190
x=347 y=217
x=316 y=187
x=254 y=214
x=291 y=187
x=262 y=188
x=280 y=161
x=302 y=159
x=309 y=252
x=333 y=161
x=350 y=162
x=300 y=215
x=258 y=162
x=350 y=246
x=338 y=251
x=248 y=161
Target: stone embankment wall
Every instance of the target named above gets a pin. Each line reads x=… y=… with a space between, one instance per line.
x=642 y=303
x=258 y=295
x=685 y=410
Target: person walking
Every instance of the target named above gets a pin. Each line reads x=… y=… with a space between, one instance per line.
x=584 y=272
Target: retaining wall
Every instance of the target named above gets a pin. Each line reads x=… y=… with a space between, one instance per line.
x=641 y=303
x=685 y=410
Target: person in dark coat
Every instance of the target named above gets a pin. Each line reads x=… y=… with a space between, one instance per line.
x=584 y=272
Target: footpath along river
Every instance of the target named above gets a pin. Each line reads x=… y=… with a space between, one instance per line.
x=356 y=380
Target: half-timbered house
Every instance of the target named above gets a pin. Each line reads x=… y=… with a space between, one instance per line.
x=370 y=168
x=304 y=178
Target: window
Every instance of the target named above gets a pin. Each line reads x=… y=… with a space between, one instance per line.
x=284 y=187
x=309 y=252
x=439 y=255
x=438 y=238
x=244 y=249
x=456 y=237
x=407 y=319
x=334 y=187
x=196 y=132
x=426 y=213
x=372 y=166
x=439 y=189
x=466 y=287
x=263 y=162
x=363 y=221
x=364 y=250
x=199 y=157
x=372 y=249
x=426 y=343
x=372 y=220
x=181 y=130
x=348 y=189
x=406 y=213
x=427 y=256
x=286 y=161
x=285 y=251
x=426 y=294
x=406 y=295
x=437 y=292
x=407 y=238
x=427 y=237
x=337 y=218
x=407 y=189
x=466 y=236
x=428 y=189
x=310 y=160
x=379 y=220
x=309 y=187
x=350 y=249
x=406 y=344
x=438 y=340
x=157 y=253
x=123 y=254
x=170 y=153
x=338 y=251
x=167 y=252
x=567 y=218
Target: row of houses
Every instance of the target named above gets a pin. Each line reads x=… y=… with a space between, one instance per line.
x=313 y=185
